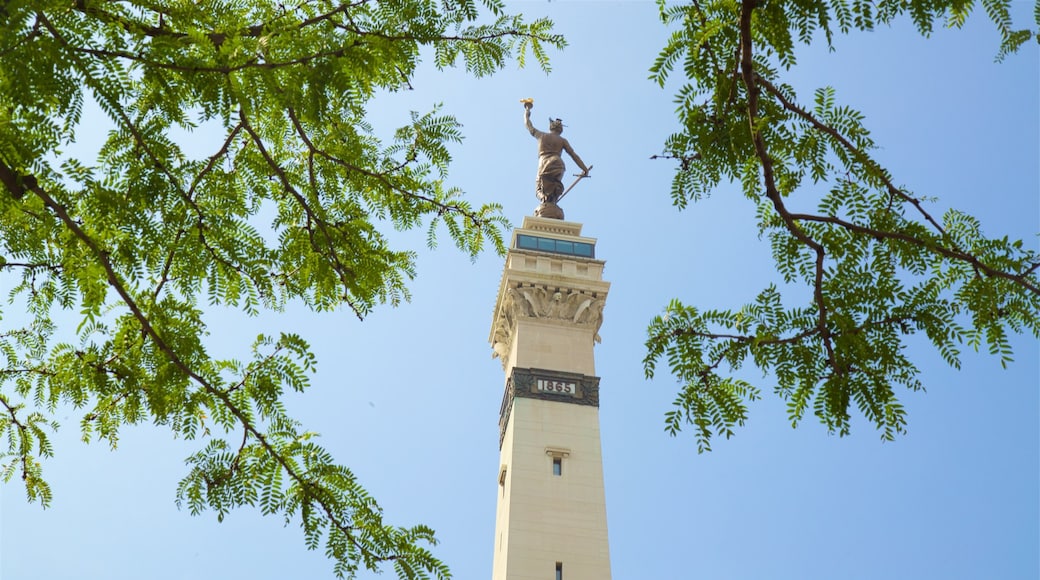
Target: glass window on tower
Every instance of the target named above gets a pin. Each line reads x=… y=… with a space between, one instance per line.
x=559 y=571
x=557 y=466
x=566 y=247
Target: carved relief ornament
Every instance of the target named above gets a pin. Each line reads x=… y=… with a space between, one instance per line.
x=582 y=308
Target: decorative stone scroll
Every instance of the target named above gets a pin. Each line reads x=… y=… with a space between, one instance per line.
x=579 y=307
x=546 y=385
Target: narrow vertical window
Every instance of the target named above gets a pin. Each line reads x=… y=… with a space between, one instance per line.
x=559 y=571
x=557 y=455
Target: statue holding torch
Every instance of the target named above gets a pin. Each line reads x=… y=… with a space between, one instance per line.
x=549 y=184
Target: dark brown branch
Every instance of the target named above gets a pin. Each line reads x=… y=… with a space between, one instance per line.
x=212 y=161
x=28 y=371
x=706 y=46
x=1029 y=270
x=253 y=63
x=808 y=333
x=342 y=270
x=54 y=268
x=238 y=455
x=125 y=121
x=265 y=30
x=23 y=435
x=980 y=266
x=732 y=72
x=114 y=281
x=684 y=160
x=102 y=367
x=15 y=183
x=856 y=153
x=200 y=224
x=217 y=38
x=28 y=37
x=94 y=415
x=249 y=374
x=748 y=74
x=426 y=40
x=704 y=373
x=382 y=177
x=164 y=274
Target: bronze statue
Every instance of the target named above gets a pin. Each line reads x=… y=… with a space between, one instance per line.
x=549 y=185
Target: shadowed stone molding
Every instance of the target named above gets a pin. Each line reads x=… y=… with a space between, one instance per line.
x=524 y=384
x=524 y=300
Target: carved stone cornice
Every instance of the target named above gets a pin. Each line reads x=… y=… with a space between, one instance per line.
x=548 y=286
x=579 y=307
x=523 y=384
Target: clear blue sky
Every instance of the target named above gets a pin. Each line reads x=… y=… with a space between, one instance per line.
x=409 y=398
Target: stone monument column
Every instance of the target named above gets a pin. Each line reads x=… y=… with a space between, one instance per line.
x=551 y=516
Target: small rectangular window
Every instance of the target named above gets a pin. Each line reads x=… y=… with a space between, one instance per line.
x=557 y=466
x=559 y=571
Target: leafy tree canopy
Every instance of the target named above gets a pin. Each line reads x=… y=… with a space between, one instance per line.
x=285 y=207
x=874 y=264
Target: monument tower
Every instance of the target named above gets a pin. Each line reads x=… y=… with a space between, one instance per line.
x=551 y=518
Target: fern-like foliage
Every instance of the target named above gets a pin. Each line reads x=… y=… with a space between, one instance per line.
x=877 y=266
x=286 y=205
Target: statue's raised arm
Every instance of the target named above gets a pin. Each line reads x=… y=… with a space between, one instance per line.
x=549 y=184
x=527 y=120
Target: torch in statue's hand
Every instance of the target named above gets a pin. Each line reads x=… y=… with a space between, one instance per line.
x=528 y=103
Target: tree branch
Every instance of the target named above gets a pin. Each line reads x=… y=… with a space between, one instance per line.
x=22 y=435
x=383 y=177
x=115 y=281
x=252 y=63
x=760 y=341
x=217 y=38
x=187 y=196
x=748 y=75
x=1021 y=279
x=54 y=268
x=343 y=272
x=863 y=158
